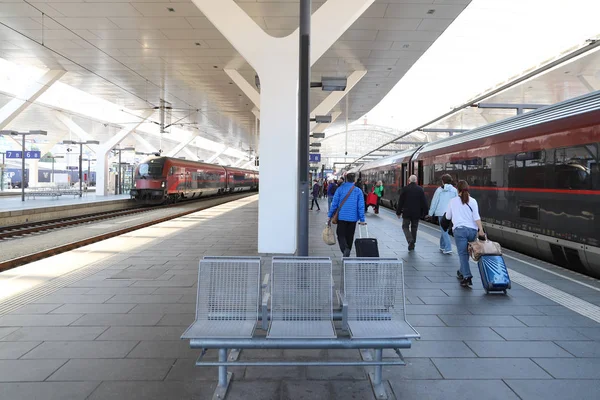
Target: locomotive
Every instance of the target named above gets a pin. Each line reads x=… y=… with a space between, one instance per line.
x=168 y=180
x=536 y=177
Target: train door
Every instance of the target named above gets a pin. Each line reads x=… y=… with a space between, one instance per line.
x=418 y=171
x=403 y=176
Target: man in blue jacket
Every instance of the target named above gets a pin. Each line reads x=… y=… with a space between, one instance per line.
x=351 y=211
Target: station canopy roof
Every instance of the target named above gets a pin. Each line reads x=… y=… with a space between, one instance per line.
x=132 y=54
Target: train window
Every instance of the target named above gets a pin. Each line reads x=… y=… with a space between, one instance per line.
x=572 y=167
x=492 y=172
x=526 y=169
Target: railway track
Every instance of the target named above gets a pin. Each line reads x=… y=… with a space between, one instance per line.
x=201 y=204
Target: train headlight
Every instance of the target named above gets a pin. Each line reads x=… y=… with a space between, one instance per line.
x=163 y=184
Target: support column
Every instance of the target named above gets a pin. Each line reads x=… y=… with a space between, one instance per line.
x=23 y=100
x=105 y=148
x=276 y=62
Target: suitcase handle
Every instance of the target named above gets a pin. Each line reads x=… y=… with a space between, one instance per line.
x=360 y=231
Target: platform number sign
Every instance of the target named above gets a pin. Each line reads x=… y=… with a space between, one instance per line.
x=28 y=154
x=314 y=157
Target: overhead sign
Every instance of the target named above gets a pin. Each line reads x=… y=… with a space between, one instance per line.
x=71 y=168
x=28 y=154
x=314 y=157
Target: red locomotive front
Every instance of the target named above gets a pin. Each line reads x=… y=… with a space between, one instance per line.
x=150 y=181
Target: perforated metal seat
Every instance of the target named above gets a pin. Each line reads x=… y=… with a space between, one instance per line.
x=227 y=303
x=374 y=293
x=301 y=298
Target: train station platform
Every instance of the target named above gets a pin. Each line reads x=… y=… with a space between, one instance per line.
x=110 y=328
x=14 y=211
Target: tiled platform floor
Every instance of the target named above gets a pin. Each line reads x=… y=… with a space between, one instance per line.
x=12 y=203
x=111 y=330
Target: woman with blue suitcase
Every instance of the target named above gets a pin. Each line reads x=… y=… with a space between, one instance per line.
x=464 y=213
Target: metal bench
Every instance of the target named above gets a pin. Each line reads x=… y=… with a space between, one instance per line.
x=42 y=192
x=301 y=316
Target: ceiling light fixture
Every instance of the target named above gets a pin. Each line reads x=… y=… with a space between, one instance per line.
x=198 y=44
x=171 y=9
x=405 y=46
x=432 y=11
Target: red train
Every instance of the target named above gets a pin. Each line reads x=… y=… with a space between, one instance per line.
x=536 y=177
x=168 y=180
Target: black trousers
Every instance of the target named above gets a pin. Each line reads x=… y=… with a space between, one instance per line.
x=410 y=234
x=345 y=235
x=314 y=200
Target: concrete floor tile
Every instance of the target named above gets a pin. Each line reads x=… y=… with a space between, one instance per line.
x=81 y=349
x=149 y=390
x=557 y=321
x=591 y=333
x=425 y=320
x=54 y=333
x=480 y=320
x=112 y=370
x=28 y=370
x=555 y=310
x=185 y=370
x=176 y=319
x=176 y=308
x=571 y=368
x=293 y=390
x=14 y=350
x=38 y=320
x=452 y=390
x=556 y=389
x=35 y=309
x=142 y=333
x=334 y=373
x=47 y=390
x=434 y=348
x=502 y=310
x=93 y=309
x=358 y=390
x=245 y=390
x=164 y=349
x=415 y=368
x=74 y=299
x=275 y=373
x=458 y=333
x=121 y=290
x=145 y=298
x=516 y=349
x=581 y=349
x=540 y=334
x=118 y=320
x=489 y=368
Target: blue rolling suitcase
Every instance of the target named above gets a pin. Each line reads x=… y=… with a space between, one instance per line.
x=494 y=275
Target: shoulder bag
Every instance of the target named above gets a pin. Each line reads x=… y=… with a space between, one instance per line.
x=334 y=219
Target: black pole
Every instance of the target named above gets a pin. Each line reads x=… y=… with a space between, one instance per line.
x=52 y=169
x=2 y=176
x=80 y=169
x=23 y=169
x=303 y=127
x=120 y=171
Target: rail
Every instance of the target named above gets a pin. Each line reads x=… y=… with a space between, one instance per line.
x=294 y=305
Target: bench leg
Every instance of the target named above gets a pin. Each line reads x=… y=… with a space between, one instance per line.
x=224 y=377
x=376 y=377
x=234 y=354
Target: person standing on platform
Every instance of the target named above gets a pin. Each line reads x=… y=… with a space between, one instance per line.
x=379 y=192
x=325 y=186
x=315 y=196
x=464 y=213
x=349 y=200
x=439 y=205
x=412 y=205
x=331 y=188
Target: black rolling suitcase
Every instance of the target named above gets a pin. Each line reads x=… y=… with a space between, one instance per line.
x=366 y=246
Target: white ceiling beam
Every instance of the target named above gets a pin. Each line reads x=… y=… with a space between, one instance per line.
x=175 y=150
x=29 y=95
x=148 y=148
x=256 y=112
x=334 y=97
x=191 y=154
x=320 y=128
x=585 y=82
x=125 y=131
x=73 y=127
x=217 y=155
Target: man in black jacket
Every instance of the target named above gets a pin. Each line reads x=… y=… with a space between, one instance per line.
x=412 y=206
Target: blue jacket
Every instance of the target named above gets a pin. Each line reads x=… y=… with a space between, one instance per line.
x=441 y=199
x=353 y=209
x=315 y=190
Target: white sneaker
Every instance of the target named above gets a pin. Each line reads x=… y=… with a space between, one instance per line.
x=447 y=252
x=441 y=250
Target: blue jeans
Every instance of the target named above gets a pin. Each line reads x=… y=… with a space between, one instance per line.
x=329 y=200
x=445 y=243
x=463 y=236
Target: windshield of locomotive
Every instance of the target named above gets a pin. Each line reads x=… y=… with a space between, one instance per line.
x=151 y=169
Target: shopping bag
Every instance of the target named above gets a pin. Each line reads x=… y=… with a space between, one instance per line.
x=485 y=247
x=328 y=235
x=372 y=199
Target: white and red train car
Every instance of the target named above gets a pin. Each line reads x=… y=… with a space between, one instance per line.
x=168 y=180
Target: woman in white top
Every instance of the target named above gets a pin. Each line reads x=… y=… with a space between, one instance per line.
x=464 y=213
